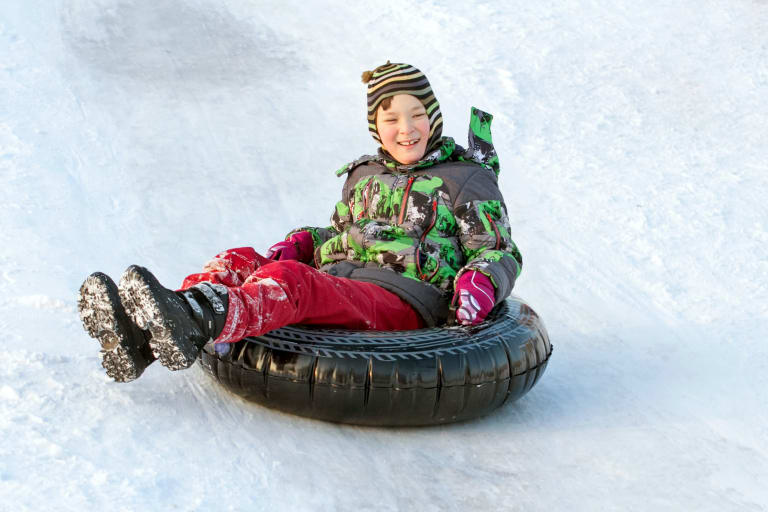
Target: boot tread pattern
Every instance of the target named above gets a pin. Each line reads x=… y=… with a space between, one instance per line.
x=143 y=297
x=104 y=319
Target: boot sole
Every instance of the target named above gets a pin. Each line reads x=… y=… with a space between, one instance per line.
x=142 y=295
x=104 y=319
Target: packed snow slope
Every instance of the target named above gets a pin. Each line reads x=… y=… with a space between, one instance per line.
x=633 y=139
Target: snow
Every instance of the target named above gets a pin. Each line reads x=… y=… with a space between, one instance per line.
x=633 y=139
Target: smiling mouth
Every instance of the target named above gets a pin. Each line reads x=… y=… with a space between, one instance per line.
x=408 y=143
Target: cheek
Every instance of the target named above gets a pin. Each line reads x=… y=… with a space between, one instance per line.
x=423 y=126
x=386 y=132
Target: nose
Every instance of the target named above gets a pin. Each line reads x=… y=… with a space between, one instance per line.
x=405 y=126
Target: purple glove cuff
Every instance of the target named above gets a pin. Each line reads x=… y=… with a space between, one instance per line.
x=474 y=297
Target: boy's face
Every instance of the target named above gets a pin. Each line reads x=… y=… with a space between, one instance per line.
x=404 y=128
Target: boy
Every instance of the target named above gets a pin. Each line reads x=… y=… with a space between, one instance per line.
x=420 y=235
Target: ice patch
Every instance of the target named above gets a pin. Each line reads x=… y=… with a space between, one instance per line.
x=8 y=394
x=99 y=478
x=11 y=146
x=20 y=362
x=45 y=302
x=215 y=265
x=274 y=290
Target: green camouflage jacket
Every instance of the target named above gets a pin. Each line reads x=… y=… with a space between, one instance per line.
x=413 y=229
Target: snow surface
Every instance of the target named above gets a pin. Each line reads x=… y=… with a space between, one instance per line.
x=633 y=139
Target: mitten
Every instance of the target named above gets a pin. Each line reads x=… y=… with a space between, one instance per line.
x=474 y=297
x=299 y=246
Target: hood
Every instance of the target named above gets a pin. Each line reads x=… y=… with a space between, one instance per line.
x=480 y=150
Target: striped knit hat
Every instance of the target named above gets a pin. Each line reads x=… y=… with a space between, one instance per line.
x=393 y=79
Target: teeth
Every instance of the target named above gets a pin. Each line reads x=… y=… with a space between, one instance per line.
x=409 y=142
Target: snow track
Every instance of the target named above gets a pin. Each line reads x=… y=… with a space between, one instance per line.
x=633 y=145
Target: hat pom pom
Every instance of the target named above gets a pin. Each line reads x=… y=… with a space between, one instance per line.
x=367 y=75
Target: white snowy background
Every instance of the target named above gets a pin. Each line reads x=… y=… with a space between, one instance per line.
x=633 y=139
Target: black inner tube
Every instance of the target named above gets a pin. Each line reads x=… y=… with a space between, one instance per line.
x=393 y=378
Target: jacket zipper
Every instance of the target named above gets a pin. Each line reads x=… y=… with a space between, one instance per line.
x=495 y=230
x=404 y=203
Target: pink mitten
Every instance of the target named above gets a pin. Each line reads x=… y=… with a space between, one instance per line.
x=299 y=246
x=475 y=294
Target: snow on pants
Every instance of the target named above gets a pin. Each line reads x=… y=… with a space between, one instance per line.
x=266 y=294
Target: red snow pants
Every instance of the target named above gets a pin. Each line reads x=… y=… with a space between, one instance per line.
x=266 y=294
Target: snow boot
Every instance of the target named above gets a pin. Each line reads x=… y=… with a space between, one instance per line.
x=208 y=303
x=125 y=350
x=180 y=323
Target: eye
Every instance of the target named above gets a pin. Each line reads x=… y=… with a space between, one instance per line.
x=422 y=114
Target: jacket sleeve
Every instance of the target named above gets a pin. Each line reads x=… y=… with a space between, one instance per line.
x=484 y=232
